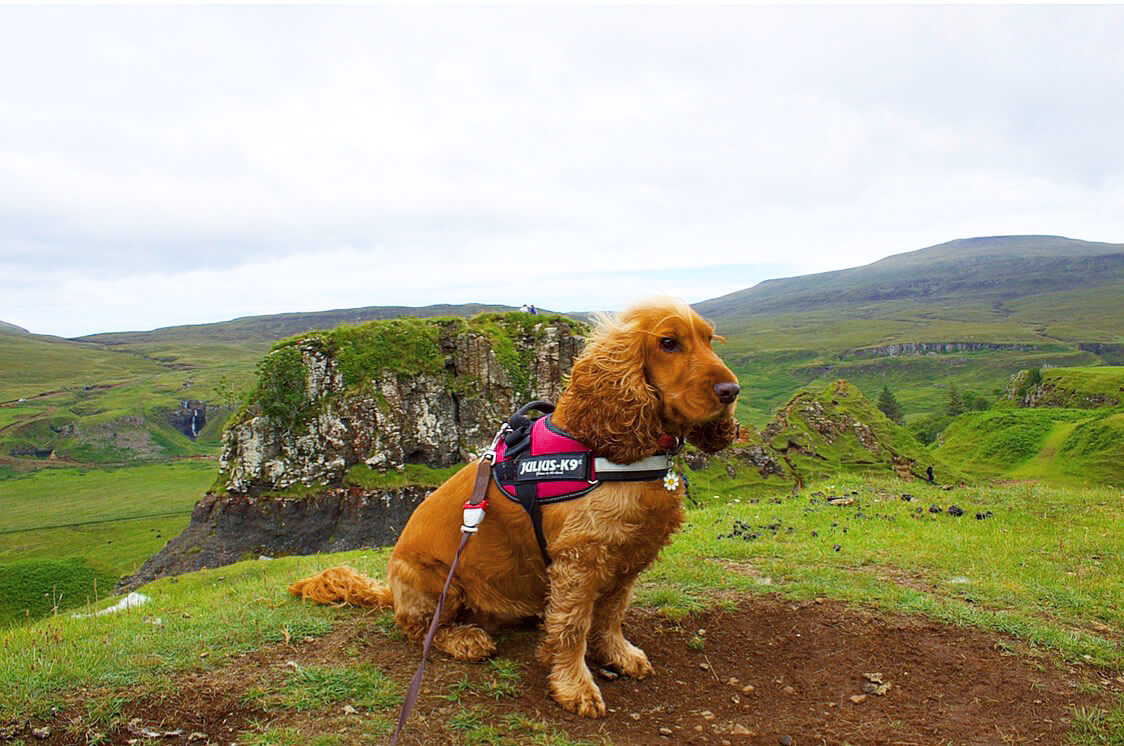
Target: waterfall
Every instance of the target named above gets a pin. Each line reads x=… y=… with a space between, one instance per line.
x=194 y=421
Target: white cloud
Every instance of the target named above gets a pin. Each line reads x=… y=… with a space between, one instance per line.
x=153 y=147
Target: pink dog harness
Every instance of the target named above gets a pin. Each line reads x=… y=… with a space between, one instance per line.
x=538 y=463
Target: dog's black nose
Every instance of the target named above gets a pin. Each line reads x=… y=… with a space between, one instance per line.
x=727 y=392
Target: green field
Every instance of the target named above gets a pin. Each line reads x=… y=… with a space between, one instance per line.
x=1044 y=568
x=72 y=526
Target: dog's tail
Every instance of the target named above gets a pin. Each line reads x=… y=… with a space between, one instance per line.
x=344 y=586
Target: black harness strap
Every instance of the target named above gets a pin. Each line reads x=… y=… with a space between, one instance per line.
x=529 y=500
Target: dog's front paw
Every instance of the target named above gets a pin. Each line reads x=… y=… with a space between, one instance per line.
x=624 y=657
x=583 y=699
x=632 y=662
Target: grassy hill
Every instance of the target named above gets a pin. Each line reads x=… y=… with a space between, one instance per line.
x=989 y=307
x=109 y=398
x=1061 y=424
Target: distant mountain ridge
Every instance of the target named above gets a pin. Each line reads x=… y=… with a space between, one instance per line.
x=276 y=326
x=6 y=328
x=988 y=268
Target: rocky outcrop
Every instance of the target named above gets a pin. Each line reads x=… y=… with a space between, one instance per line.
x=929 y=348
x=763 y=459
x=838 y=427
x=232 y=528
x=1032 y=388
x=438 y=415
x=1111 y=353
x=387 y=393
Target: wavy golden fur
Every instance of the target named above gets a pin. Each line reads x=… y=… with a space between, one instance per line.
x=648 y=372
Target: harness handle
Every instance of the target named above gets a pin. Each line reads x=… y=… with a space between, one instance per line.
x=541 y=406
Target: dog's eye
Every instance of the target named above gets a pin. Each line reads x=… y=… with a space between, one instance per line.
x=669 y=344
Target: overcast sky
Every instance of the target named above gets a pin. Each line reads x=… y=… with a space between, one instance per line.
x=170 y=165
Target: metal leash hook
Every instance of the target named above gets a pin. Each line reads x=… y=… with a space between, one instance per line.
x=474 y=511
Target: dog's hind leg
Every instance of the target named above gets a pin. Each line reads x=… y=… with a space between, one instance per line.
x=573 y=590
x=608 y=643
x=413 y=612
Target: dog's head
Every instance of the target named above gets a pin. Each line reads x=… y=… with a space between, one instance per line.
x=647 y=372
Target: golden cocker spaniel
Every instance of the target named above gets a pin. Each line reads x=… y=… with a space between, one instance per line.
x=646 y=373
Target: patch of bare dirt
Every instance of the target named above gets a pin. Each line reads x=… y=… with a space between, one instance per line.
x=816 y=673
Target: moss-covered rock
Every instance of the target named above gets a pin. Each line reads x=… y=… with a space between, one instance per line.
x=404 y=391
x=1071 y=388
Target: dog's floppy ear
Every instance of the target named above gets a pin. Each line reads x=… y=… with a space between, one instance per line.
x=715 y=435
x=610 y=406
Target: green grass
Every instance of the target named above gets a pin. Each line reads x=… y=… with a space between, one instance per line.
x=31 y=589
x=1046 y=567
x=411 y=475
x=1066 y=446
x=316 y=687
x=219 y=612
x=1093 y=726
x=54 y=497
x=1049 y=561
x=501 y=680
x=82 y=524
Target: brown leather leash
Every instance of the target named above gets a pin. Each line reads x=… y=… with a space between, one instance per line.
x=474 y=511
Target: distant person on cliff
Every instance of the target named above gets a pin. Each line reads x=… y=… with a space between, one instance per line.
x=525 y=308
x=533 y=310
x=929 y=473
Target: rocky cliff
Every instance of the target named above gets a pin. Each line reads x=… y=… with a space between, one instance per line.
x=230 y=528
x=931 y=348
x=401 y=396
x=389 y=393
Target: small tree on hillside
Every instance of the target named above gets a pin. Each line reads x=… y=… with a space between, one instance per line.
x=955 y=403
x=890 y=406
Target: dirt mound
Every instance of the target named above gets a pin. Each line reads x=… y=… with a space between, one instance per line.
x=767 y=670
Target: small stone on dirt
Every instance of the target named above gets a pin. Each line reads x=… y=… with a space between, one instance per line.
x=858 y=699
x=698 y=729
x=707 y=715
x=43 y=732
x=666 y=732
x=732 y=681
x=747 y=689
x=634 y=715
x=349 y=710
x=197 y=736
x=741 y=730
x=704 y=666
x=875 y=677
x=788 y=690
x=786 y=740
x=608 y=674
